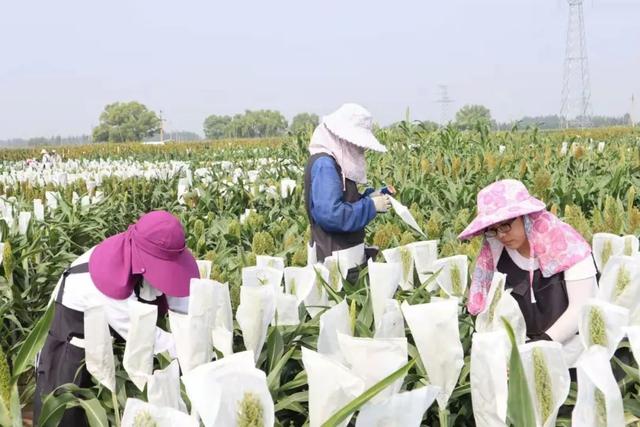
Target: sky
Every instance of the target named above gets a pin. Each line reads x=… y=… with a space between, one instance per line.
x=62 y=61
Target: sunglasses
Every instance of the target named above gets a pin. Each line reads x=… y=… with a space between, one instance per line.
x=503 y=228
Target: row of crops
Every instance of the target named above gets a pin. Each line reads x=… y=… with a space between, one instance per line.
x=307 y=331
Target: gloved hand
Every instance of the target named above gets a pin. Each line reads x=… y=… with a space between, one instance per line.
x=382 y=203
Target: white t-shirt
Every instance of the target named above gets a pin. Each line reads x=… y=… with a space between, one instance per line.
x=581 y=285
x=80 y=293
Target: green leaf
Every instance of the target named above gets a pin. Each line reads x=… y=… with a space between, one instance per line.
x=356 y=403
x=33 y=343
x=520 y=410
x=53 y=408
x=96 y=414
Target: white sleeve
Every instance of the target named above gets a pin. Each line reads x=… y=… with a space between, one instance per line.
x=117 y=312
x=578 y=291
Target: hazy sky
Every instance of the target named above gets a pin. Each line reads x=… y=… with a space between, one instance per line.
x=62 y=61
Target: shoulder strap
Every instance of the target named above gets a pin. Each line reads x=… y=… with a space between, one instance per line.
x=75 y=269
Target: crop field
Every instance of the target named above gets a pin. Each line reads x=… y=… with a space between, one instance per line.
x=304 y=346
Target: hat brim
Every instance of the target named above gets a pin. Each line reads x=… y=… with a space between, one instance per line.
x=112 y=272
x=482 y=221
x=172 y=277
x=357 y=136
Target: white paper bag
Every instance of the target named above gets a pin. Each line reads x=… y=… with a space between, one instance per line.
x=38 y=209
x=606 y=245
x=299 y=281
x=602 y=323
x=547 y=377
x=261 y=276
x=255 y=312
x=391 y=324
x=163 y=387
x=425 y=254
x=434 y=328
x=204 y=267
x=317 y=299
x=192 y=335
x=349 y=258
x=400 y=410
x=599 y=402
x=335 y=275
x=406 y=216
x=137 y=412
x=453 y=276
x=286 y=311
x=331 y=386
x=333 y=321
x=270 y=261
x=620 y=282
x=490 y=353
x=373 y=359
x=99 y=347
x=403 y=256
x=138 y=352
x=383 y=281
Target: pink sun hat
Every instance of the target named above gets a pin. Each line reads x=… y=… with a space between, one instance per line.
x=500 y=201
x=154 y=247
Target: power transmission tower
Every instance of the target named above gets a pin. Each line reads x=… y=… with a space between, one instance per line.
x=444 y=102
x=575 y=109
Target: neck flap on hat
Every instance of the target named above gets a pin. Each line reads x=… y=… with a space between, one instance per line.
x=556 y=244
x=349 y=157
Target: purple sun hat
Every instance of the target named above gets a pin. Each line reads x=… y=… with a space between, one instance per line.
x=154 y=247
x=500 y=201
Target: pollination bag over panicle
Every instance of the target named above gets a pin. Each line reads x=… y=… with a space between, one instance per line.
x=404 y=257
x=255 y=312
x=299 y=281
x=489 y=388
x=331 y=386
x=138 y=413
x=434 y=327
x=391 y=324
x=163 y=387
x=605 y=246
x=402 y=409
x=620 y=282
x=383 y=282
x=602 y=323
x=317 y=299
x=547 y=377
x=599 y=402
x=373 y=359
x=453 y=276
x=138 y=352
x=333 y=321
x=98 y=347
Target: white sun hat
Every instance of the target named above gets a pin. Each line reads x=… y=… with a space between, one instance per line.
x=353 y=123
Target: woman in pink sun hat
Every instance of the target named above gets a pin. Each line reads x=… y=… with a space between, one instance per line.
x=148 y=263
x=548 y=264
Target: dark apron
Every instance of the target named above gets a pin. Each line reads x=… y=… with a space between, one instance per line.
x=550 y=293
x=327 y=242
x=61 y=362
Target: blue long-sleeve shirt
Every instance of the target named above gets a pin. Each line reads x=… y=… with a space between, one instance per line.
x=328 y=209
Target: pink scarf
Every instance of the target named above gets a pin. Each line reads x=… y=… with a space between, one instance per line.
x=555 y=243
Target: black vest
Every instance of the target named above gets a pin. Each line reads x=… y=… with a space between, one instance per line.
x=327 y=242
x=550 y=292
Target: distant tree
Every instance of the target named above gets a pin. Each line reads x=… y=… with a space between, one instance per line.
x=304 y=122
x=126 y=121
x=216 y=127
x=470 y=115
x=251 y=124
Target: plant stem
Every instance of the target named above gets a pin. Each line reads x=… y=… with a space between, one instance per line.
x=443 y=416
x=114 y=399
